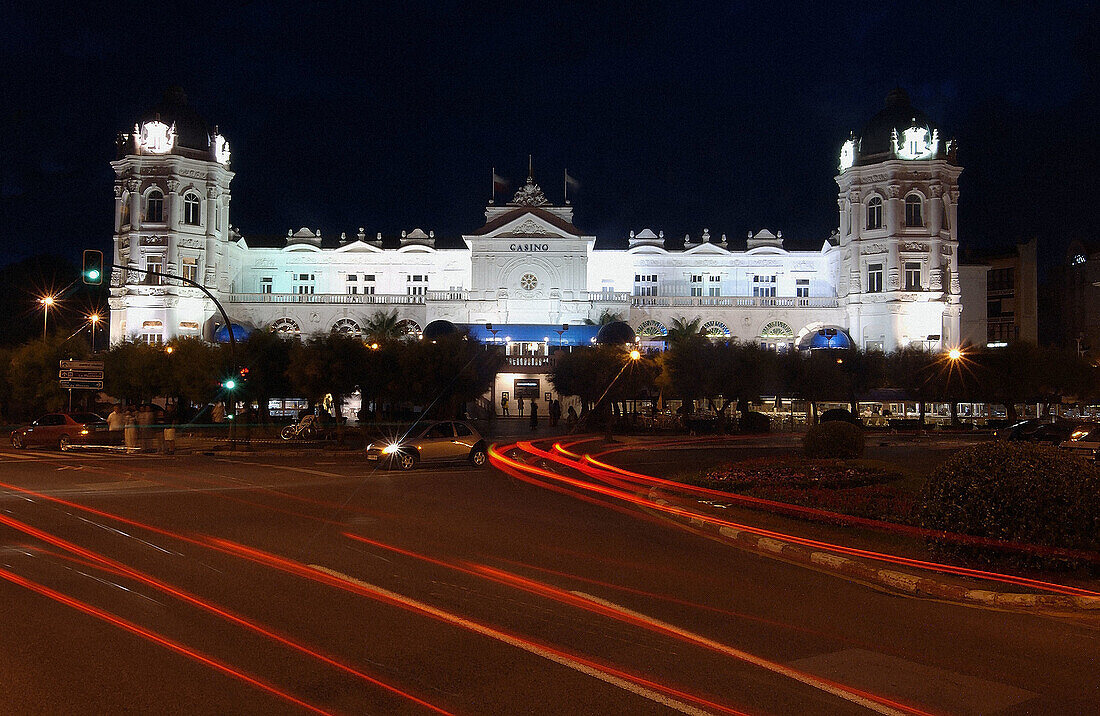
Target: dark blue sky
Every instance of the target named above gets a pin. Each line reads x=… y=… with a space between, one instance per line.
x=678 y=117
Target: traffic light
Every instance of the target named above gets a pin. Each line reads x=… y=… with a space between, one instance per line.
x=93 y=267
x=229 y=384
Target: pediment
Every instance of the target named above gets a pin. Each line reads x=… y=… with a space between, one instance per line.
x=707 y=249
x=529 y=226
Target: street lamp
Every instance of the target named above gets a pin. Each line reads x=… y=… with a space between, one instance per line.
x=955 y=354
x=93 y=319
x=632 y=358
x=46 y=302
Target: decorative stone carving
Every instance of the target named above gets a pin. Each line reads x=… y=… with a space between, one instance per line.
x=893 y=191
x=874 y=249
x=854 y=281
x=894 y=279
x=955 y=286
x=212 y=192
x=174 y=186
x=133 y=184
x=936 y=190
x=116 y=277
x=854 y=196
x=118 y=190
x=529 y=228
x=935 y=280
x=154 y=241
x=529 y=195
x=945 y=250
x=914 y=246
x=190 y=242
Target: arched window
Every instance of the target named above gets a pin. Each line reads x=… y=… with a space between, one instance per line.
x=913 y=211
x=154 y=207
x=874 y=213
x=191 y=209
x=651 y=329
x=408 y=329
x=286 y=327
x=715 y=329
x=776 y=329
x=347 y=327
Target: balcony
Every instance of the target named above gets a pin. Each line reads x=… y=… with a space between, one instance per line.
x=349 y=298
x=733 y=302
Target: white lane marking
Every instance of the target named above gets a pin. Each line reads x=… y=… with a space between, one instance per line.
x=772 y=666
x=530 y=648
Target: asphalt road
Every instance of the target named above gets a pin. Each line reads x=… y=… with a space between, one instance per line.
x=260 y=584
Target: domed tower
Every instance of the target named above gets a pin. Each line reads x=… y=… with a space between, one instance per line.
x=171 y=216
x=898 y=196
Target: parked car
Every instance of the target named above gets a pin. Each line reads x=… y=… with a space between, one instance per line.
x=1084 y=441
x=61 y=430
x=440 y=441
x=1041 y=431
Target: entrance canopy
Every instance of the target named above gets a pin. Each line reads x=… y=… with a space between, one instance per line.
x=532 y=333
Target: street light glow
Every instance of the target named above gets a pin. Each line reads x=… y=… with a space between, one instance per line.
x=94 y=318
x=635 y=354
x=47 y=300
x=954 y=354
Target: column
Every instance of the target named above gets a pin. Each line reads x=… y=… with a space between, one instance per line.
x=133 y=185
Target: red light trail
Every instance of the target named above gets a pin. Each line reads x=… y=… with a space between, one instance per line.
x=159 y=640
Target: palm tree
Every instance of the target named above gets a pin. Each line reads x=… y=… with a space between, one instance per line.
x=682 y=328
x=608 y=316
x=383 y=326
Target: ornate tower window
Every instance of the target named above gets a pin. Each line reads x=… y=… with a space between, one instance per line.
x=154 y=207
x=528 y=282
x=874 y=278
x=913 y=211
x=763 y=286
x=645 y=284
x=802 y=288
x=912 y=276
x=188 y=268
x=286 y=327
x=191 y=205
x=874 y=213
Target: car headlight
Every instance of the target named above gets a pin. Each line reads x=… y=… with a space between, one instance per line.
x=84 y=431
x=390 y=449
x=1078 y=434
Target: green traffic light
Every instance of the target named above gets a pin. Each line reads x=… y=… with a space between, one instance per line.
x=93 y=275
x=230 y=384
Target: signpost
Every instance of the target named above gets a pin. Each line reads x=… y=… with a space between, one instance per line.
x=81 y=375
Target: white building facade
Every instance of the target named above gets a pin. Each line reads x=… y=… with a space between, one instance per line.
x=887 y=278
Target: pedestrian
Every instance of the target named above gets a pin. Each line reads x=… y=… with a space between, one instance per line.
x=521 y=407
x=129 y=421
x=116 y=421
x=554 y=409
x=504 y=405
x=218 y=413
x=534 y=415
x=168 y=447
x=571 y=417
x=144 y=426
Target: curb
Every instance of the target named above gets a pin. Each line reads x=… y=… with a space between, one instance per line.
x=889 y=579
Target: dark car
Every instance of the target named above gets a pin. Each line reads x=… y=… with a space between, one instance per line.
x=441 y=441
x=61 y=430
x=1039 y=431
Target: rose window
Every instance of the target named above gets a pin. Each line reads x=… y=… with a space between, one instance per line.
x=528 y=282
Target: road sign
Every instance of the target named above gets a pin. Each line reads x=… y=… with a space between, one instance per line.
x=78 y=384
x=82 y=365
x=81 y=374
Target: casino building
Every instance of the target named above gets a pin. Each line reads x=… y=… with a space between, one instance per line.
x=886 y=278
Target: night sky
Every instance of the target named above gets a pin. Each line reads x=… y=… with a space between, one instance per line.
x=677 y=117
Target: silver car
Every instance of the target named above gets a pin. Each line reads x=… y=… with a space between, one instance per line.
x=1084 y=441
x=442 y=441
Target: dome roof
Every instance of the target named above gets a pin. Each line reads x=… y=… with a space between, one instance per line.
x=239 y=333
x=192 y=131
x=615 y=333
x=876 y=141
x=439 y=329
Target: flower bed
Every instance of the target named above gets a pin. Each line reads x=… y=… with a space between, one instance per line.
x=852 y=488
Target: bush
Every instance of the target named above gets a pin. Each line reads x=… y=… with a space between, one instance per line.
x=842 y=441
x=752 y=422
x=1017 y=492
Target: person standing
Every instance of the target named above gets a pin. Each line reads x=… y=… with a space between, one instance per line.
x=130 y=429
x=504 y=405
x=521 y=406
x=116 y=421
x=145 y=426
x=554 y=410
x=534 y=415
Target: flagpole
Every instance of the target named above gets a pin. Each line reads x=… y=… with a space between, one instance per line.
x=493 y=181
x=565 y=183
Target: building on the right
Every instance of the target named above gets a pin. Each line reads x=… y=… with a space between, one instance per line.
x=1072 y=299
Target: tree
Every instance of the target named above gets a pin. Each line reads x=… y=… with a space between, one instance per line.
x=266 y=355
x=586 y=372
x=682 y=328
x=32 y=376
x=326 y=365
x=688 y=368
x=608 y=316
x=135 y=371
x=191 y=371
x=382 y=327
x=443 y=374
x=912 y=370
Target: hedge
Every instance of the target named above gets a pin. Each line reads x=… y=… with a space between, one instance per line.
x=842 y=441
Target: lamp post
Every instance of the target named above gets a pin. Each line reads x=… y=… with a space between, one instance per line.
x=93 y=319
x=46 y=302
